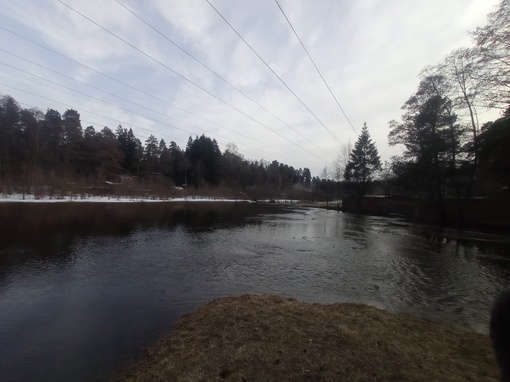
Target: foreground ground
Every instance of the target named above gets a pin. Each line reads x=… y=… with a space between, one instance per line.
x=270 y=338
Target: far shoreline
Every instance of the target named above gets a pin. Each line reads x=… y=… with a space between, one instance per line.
x=29 y=198
x=330 y=206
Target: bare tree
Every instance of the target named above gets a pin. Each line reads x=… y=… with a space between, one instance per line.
x=325 y=173
x=338 y=169
x=341 y=160
x=493 y=53
x=387 y=177
x=461 y=69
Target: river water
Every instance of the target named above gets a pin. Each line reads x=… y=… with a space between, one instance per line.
x=85 y=287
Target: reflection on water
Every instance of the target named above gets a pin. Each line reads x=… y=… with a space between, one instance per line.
x=85 y=287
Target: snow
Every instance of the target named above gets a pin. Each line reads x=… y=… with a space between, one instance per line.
x=28 y=198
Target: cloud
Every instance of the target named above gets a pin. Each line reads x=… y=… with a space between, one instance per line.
x=190 y=18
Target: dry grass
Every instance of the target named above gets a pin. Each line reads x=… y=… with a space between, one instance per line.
x=328 y=206
x=270 y=338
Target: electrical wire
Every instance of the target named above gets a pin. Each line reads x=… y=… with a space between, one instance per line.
x=315 y=65
x=217 y=75
x=271 y=69
x=187 y=79
x=99 y=124
x=114 y=79
x=91 y=112
x=81 y=64
x=116 y=120
x=98 y=115
x=112 y=95
x=139 y=90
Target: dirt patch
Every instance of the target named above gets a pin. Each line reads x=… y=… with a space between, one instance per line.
x=270 y=338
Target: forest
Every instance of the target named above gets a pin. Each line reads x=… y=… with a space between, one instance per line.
x=449 y=158
x=447 y=153
x=50 y=153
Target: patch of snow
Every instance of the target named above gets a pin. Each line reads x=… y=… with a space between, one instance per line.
x=279 y=201
x=29 y=198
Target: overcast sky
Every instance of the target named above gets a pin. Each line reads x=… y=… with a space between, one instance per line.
x=370 y=52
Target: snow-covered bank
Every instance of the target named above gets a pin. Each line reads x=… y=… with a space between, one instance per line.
x=106 y=199
x=29 y=198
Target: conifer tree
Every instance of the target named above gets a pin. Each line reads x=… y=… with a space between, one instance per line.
x=363 y=163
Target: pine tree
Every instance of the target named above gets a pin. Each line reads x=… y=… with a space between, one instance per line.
x=132 y=150
x=363 y=163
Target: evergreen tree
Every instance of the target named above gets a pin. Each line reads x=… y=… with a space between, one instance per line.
x=9 y=132
x=165 y=159
x=89 y=159
x=30 y=146
x=431 y=162
x=46 y=148
x=363 y=163
x=132 y=150
x=71 y=139
x=109 y=154
x=307 y=176
x=178 y=163
x=151 y=155
x=494 y=151
x=205 y=159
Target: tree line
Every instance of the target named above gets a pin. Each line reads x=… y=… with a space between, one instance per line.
x=448 y=155
x=43 y=149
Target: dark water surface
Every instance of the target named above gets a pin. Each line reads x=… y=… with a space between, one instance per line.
x=85 y=287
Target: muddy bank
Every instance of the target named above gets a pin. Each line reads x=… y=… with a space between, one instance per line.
x=270 y=338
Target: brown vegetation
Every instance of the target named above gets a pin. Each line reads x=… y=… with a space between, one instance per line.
x=269 y=338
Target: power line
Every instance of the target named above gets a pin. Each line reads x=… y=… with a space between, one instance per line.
x=96 y=123
x=114 y=79
x=113 y=95
x=116 y=106
x=94 y=98
x=96 y=114
x=316 y=68
x=70 y=78
x=141 y=91
x=81 y=64
x=104 y=75
x=271 y=69
x=82 y=110
x=185 y=78
x=217 y=75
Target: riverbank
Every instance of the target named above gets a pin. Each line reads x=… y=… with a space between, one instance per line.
x=484 y=212
x=30 y=198
x=19 y=198
x=270 y=338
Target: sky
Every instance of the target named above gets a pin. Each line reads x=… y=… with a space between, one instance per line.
x=233 y=69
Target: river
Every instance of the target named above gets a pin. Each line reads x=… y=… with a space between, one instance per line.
x=85 y=287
